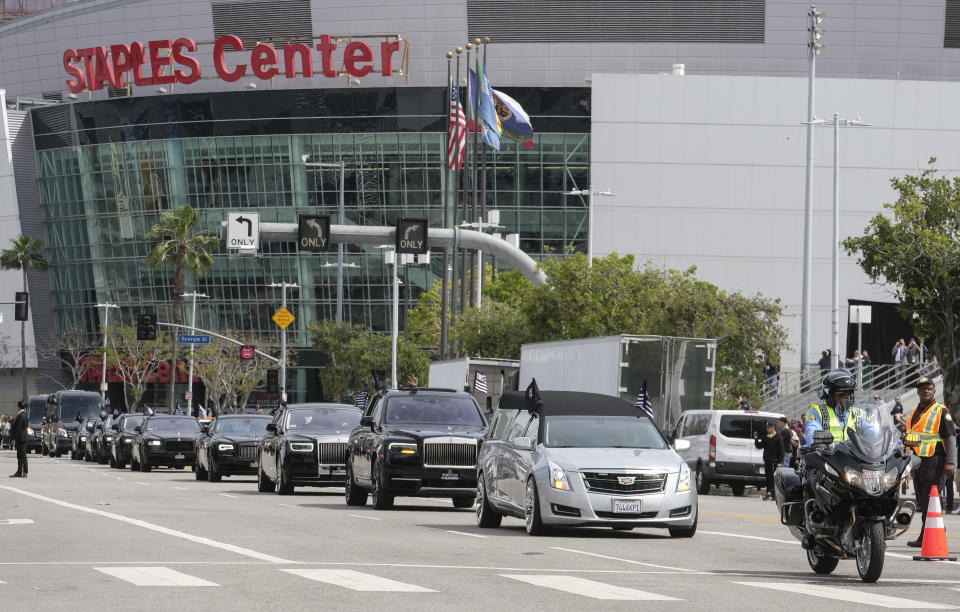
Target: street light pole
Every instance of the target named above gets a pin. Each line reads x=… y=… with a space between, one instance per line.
x=816 y=33
x=340 y=221
x=103 y=369
x=193 y=331
x=283 y=339
x=592 y=191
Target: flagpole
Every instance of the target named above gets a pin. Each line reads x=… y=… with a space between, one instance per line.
x=483 y=183
x=458 y=183
x=474 y=167
x=466 y=186
x=446 y=213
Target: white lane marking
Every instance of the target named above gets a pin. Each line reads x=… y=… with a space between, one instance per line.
x=472 y=535
x=143 y=483
x=227 y=495
x=154 y=576
x=583 y=552
x=181 y=488
x=153 y=527
x=118 y=477
x=747 y=537
x=588 y=588
x=358 y=581
x=846 y=594
x=16 y=521
x=369 y=518
x=289 y=506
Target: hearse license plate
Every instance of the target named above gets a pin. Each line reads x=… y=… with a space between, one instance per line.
x=179 y=456
x=626 y=506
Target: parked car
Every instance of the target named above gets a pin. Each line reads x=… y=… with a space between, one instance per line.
x=100 y=441
x=64 y=412
x=305 y=445
x=164 y=440
x=581 y=459
x=36 y=409
x=721 y=450
x=415 y=442
x=229 y=446
x=125 y=434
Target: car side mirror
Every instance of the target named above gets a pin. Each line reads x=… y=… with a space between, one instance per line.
x=681 y=445
x=272 y=427
x=523 y=443
x=137 y=429
x=822 y=436
x=366 y=421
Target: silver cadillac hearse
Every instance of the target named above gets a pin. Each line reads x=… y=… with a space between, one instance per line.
x=565 y=458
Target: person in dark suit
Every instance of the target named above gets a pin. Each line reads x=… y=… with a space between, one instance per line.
x=18 y=434
x=772 y=445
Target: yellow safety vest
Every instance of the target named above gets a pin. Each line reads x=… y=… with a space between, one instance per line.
x=927 y=428
x=836 y=429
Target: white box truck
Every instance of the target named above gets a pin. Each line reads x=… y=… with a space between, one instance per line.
x=461 y=374
x=678 y=371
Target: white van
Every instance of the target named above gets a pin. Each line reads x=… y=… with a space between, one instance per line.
x=721 y=450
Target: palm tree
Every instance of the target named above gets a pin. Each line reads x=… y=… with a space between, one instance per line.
x=175 y=246
x=23 y=255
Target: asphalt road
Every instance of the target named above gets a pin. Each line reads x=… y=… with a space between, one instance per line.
x=81 y=536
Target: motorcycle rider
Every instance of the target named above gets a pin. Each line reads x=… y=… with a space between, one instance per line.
x=932 y=423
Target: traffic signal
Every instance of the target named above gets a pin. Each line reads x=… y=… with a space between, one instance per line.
x=146 y=327
x=20 y=309
x=273 y=381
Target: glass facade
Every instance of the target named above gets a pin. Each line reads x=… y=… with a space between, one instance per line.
x=130 y=159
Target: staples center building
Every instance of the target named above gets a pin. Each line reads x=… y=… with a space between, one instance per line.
x=117 y=110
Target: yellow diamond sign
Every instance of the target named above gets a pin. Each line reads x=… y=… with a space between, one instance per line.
x=283 y=318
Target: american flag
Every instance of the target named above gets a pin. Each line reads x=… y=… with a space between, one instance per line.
x=480 y=383
x=360 y=399
x=457 y=138
x=201 y=412
x=643 y=400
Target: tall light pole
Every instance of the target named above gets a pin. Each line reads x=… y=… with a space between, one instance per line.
x=193 y=330
x=340 y=221
x=283 y=339
x=390 y=259
x=592 y=191
x=103 y=369
x=816 y=33
x=492 y=222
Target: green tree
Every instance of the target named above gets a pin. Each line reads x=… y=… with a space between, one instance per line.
x=914 y=250
x=494 y=330
x=136 y=361
x=24 y=254
x=175 y=245
x=227 y=378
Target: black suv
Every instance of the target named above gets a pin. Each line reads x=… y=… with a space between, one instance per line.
x=36 y=409
x=65 y=411
x=164 y=440
x=415 y=442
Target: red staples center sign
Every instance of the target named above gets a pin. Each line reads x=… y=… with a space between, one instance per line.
x=171 y=62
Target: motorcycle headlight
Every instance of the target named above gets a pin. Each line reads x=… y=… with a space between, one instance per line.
x=301 y=447
x=890 y=479
x=853 y=477
x=558 y=478
x=870 y=481
x=154 y=442
x=224 y=447
x=683 y=483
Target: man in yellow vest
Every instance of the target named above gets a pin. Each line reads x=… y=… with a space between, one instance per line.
x=833 y=413
x=934 y=426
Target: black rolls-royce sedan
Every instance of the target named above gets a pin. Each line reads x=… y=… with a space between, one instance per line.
x=305 y=446
x=125 y=433
x=165 y=440
x=415 y=442
x=229 y=446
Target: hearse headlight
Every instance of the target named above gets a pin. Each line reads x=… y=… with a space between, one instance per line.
x=558 y=477
x=683 y=482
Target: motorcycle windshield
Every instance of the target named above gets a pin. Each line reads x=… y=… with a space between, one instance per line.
x=876 y=433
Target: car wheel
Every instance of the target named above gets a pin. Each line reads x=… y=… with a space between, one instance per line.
x=739 y=489
x=103 y=459
x=213 y=474
x=531 y=511
x=354 y=495
x=684 y=532
x=87 y=458
x=264 y=484
x=703 y=485
x=464 y=501
x=199 y=472
x=380 y=499
x=283 y=486
x=487 y=517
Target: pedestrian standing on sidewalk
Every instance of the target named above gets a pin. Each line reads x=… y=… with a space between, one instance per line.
x=772 y=445
x=786 y=435
x=932 y=423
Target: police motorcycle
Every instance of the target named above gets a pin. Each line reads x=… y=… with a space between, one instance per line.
x=852 y=503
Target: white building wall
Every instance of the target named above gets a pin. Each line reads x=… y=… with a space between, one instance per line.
x=709 y=171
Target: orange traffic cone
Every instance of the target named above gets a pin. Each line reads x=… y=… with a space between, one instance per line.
x=934 y=535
